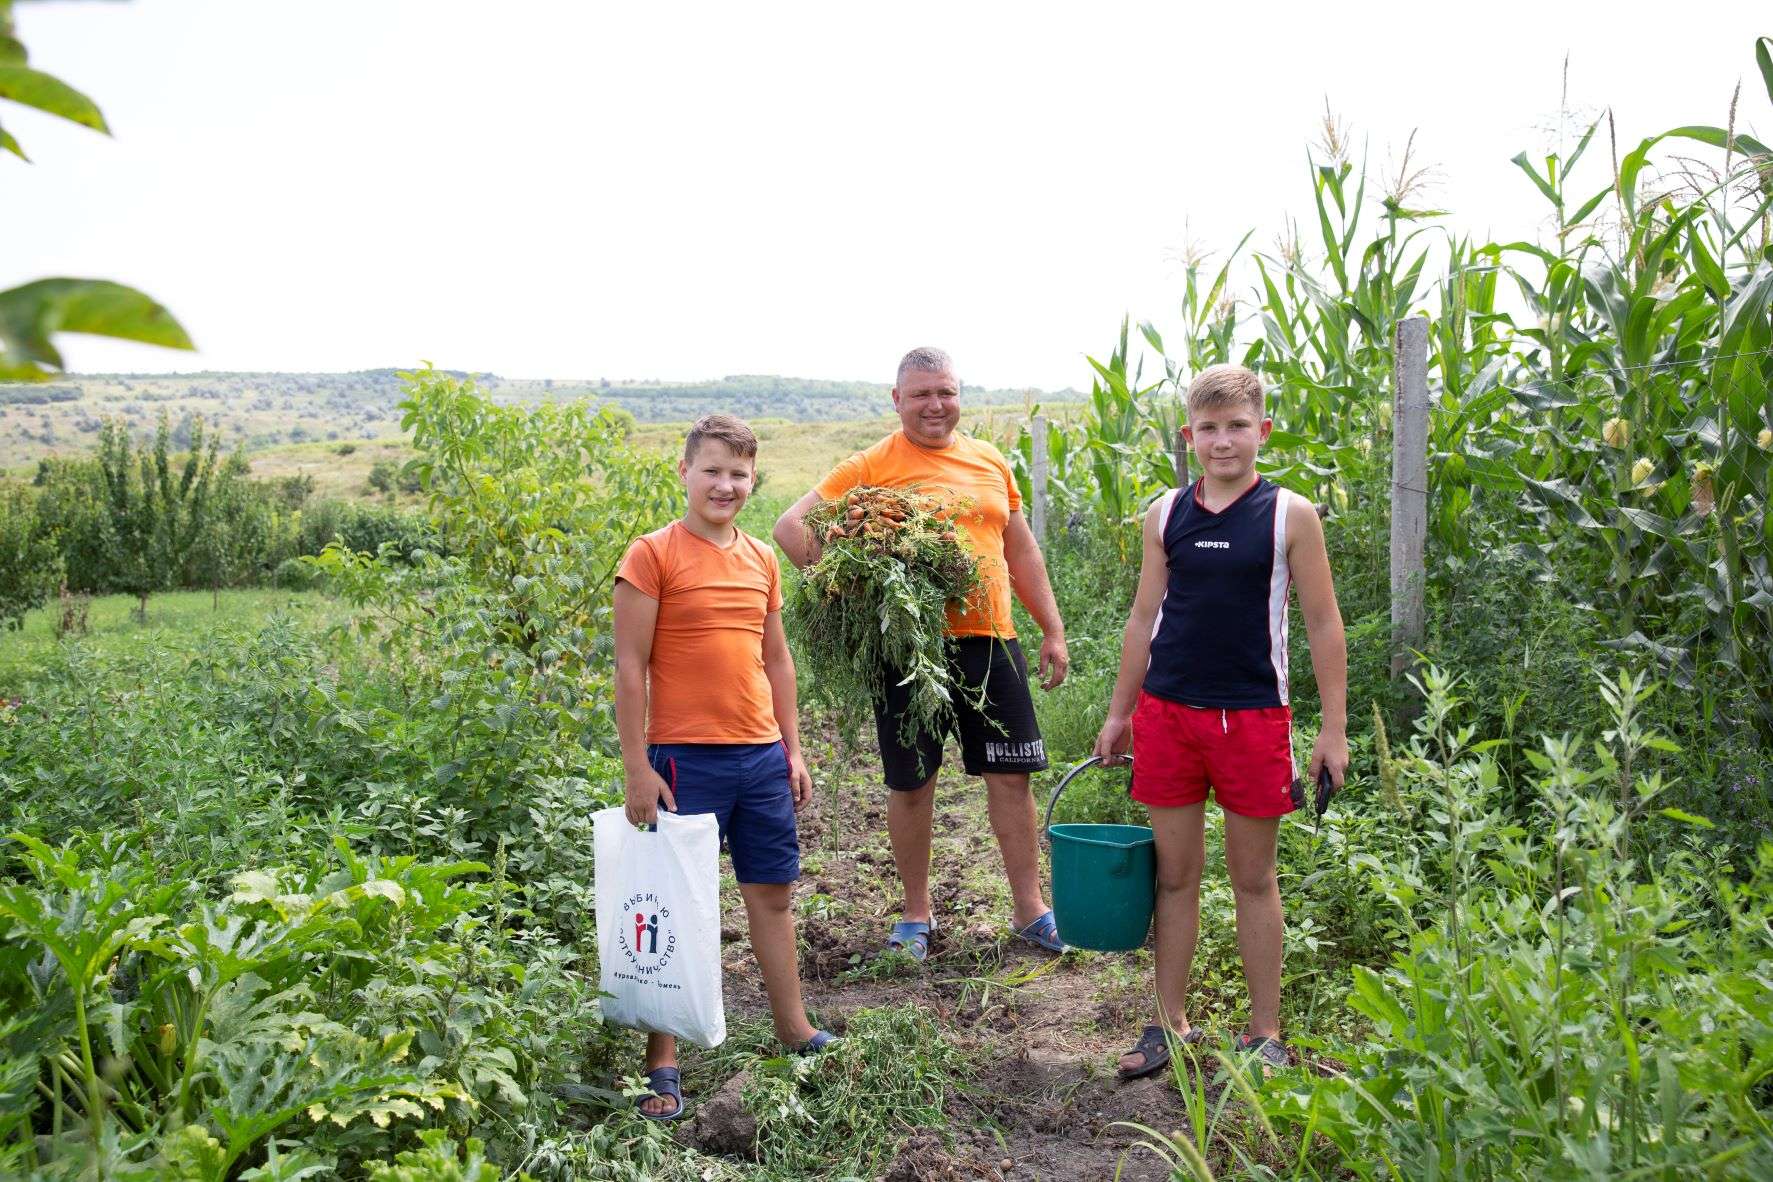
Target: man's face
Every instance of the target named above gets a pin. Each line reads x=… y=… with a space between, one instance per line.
x=928 y=406
x=718 y=481
x=1226 y=439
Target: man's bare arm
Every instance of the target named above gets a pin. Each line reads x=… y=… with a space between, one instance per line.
x=794 y=535
x=1028 y=579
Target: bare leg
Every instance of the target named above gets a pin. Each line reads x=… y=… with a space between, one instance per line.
x=769 y=910
x=661 y=1051
x=908 y=828
x=1011 y=809
x=1181 y=852
x=1249 y=860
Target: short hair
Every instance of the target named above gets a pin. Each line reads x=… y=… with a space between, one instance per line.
x=923 y=359
x=728 y=429
x=1219 y=386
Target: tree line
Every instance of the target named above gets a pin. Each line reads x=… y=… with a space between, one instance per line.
x=135 y=519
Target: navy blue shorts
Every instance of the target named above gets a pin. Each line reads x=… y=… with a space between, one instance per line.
x=745 y=786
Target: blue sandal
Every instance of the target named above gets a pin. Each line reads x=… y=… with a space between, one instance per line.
x=912 y=937
x=664 y=1081
x=1043 y=933
x=818 y=1042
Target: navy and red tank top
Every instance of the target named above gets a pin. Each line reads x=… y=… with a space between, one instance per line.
x=1220 y=640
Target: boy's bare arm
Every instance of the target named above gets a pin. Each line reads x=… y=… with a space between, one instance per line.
x=1028 y=579
x=1135 y=649
x=1309 y=560
x=637 y=614
x=793 y=535
x=778 y=666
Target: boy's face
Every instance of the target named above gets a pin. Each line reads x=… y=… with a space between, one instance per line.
x=718 y=481
x=1226 y=439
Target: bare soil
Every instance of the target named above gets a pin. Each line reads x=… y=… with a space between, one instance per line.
x=1042 y=1034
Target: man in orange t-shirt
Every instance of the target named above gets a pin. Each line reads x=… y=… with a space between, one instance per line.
x=1002 y=743
x=706 y=712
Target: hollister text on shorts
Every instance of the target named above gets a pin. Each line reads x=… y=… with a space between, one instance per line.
x=1033 y=751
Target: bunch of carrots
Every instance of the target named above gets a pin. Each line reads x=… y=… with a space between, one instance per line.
x=873 y=606
x=881 y=516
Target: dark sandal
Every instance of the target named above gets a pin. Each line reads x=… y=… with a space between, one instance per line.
x=1272 y=1051
x=1043 y=933
x=1156 y=1049
x=818 y=1042
x=912 y=937
x=664 y=1081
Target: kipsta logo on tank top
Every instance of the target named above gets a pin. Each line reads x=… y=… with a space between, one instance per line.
x=645 y=933
x=1205 y=545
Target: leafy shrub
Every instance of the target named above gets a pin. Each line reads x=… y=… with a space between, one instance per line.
x=367 y=528
x=437 y=1161
x=1558 y=1007
x=30 y=568
x=504 y=636
x=203 y=1013
x=382 y=474
x=387 y=988
x=292 y=574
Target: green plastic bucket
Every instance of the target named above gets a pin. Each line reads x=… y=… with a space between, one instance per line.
x=1104 y=878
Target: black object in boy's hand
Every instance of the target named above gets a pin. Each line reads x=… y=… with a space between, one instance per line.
x=1326 y=787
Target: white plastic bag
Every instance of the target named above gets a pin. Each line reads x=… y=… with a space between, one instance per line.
x=658 y=924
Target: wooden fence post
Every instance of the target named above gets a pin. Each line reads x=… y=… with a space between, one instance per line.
x=1181 y=453
x=1038 y=479
x=1409 y=491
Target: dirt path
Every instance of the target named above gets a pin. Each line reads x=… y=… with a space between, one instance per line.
x=1043 y=1033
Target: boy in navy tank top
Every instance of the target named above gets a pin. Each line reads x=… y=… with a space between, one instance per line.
x=1202 y=697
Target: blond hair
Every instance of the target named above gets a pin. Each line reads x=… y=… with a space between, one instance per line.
x=1220 y=386
x=728 y=429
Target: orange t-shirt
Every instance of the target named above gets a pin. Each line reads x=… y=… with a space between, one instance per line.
x=968 y=469
x=706 y=682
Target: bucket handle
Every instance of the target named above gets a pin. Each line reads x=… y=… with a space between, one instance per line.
x=1047 y=826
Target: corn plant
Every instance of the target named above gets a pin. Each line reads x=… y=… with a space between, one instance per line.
x=1602 y=401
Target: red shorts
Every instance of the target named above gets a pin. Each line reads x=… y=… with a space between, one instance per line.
x=1245 y=756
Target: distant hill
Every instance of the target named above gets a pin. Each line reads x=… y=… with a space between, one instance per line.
x=263 y=410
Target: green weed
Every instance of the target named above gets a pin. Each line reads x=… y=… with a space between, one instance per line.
x=842 y=1113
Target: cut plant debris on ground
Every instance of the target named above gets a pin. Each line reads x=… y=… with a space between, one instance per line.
x=1010 y=1051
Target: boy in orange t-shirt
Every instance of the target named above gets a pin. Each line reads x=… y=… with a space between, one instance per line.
x=706 y=712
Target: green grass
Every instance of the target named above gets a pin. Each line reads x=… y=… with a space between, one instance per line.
x=339 y=469
x=174 y=618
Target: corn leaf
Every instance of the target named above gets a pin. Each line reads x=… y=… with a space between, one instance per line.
x=1717 y=137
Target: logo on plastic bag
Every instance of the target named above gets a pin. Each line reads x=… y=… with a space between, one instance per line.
x=645 y=933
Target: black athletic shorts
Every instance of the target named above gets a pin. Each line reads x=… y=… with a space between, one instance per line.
x=1013 y=744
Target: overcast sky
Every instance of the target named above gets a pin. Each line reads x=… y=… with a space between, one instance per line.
x=574 y=190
